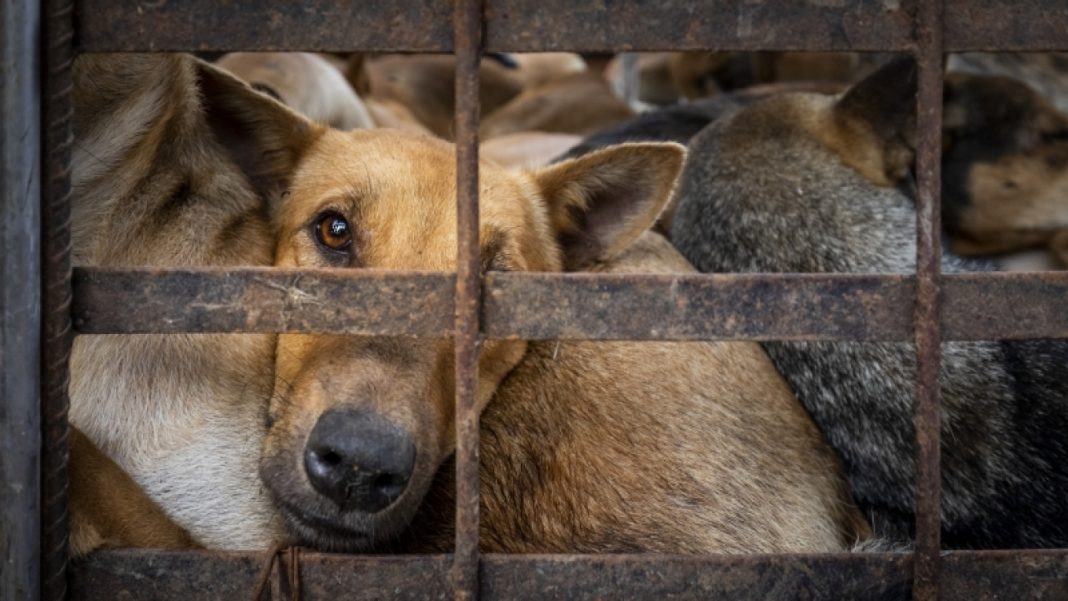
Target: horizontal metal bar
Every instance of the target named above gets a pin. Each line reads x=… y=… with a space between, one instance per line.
x=541 y=25
x=1002 y=306
x=967 y=576
x=577 y=306
x=108 y=301
x=223 y=25
x=696 y=307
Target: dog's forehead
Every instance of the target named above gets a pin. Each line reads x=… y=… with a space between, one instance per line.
x=388 y=162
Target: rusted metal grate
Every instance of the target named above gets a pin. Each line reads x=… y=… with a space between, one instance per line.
x=834 y=307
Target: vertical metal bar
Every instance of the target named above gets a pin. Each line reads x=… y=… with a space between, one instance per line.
x=57 y=332
x=468 y=42
x=928 y=299
x=20 y=298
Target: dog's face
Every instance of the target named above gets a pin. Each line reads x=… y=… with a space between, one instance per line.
x=361 y=425
x=1005 y=165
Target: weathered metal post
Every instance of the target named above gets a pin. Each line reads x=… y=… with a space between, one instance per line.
x=928 y=318
x=467 y=336
x=20 y=298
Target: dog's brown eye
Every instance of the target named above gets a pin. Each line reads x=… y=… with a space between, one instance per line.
x=334 y=232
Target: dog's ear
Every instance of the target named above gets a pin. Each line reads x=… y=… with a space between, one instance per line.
x=601 y=202
x=885 y=104
x=265 y=138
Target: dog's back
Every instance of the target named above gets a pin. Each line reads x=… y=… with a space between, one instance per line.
x=805 y=183
x=652 y=447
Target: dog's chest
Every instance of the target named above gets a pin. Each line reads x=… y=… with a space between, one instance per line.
x=184 y=415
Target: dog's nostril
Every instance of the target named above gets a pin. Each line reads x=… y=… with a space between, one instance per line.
x=330 y=458
x=359 y=460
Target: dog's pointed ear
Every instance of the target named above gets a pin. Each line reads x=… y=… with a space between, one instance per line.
x=885 y=100
x=884 y=103
x=601 y=202
x=265 y=138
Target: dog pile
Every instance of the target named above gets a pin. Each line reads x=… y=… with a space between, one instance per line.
x=716 y=163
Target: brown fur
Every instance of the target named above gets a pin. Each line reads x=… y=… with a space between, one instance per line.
x=425 y=85
x=781 y=493
x=536 y=69
x=1005 y=166
x=174 y=164
x=581 y=104
x=109 y=509
x=307 y=83
x=649 y=447
x=527 y=149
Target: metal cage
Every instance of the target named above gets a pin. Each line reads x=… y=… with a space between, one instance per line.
x=45 y=303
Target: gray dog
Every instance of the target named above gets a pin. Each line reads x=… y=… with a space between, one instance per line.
x=812 y=183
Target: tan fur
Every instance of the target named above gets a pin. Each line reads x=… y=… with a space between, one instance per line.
x=306 y=82
x=109 y=509
x=1017 y=191
x=425 y=85
x=387 y=113
x=577 y=104
x=157 y=183
x=753 y=473
x=536 y=69
x=527 y=149
x=652 y=447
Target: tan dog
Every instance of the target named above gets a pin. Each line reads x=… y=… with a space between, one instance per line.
x=1005 y=166
x=649 y=447
x=528 y=149
x=537 y=69
x=576 y=104
x=424 y=84
x=627 y=457
x=109 y=509
x=171 y=167
x=306 y=82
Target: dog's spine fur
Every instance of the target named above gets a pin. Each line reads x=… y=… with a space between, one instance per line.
x=758 y=194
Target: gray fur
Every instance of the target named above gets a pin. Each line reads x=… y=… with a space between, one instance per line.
x=759 y=195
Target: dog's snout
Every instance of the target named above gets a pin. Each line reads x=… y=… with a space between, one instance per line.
x=359 y=460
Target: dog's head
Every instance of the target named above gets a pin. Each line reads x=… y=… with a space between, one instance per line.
x=360 y=425
x=1005 y=165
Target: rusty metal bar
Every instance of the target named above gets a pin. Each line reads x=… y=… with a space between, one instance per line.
x=967 y=576
x=111 y=301
x=57 y=332
x=523 y=25
x=20 y=299
x=698 y=307
x=467 y=21
x=223 y=25
x=1004 y=306
x=928 y=300
x=978 y=306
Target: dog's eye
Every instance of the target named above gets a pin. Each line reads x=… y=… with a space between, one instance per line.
x=333 y=231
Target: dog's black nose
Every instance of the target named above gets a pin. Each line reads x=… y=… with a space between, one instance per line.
x=359 y=460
